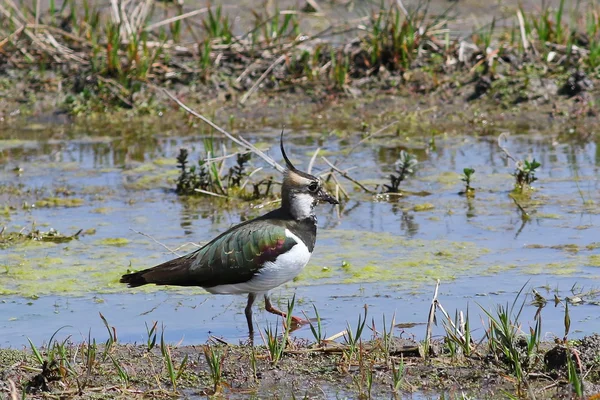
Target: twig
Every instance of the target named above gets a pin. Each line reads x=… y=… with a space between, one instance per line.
x=402 y=8
x=522 y=28
x=248 y=178
x=156 y=241
x=312 y=160
x=339 y=185
x=262 y=78
x=239 y=140
x=210 y=193
x=504 y=136
x=176 y=18
x=262 y=205
x=345 y=175
x=9 y=37
x=337 y=335
x=431 y=319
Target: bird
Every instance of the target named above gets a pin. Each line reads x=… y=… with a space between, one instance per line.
x=255 y=256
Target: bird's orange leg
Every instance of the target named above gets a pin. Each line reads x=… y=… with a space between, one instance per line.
x=274 y=310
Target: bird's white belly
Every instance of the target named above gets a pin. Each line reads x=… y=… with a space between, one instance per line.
x=274 y=273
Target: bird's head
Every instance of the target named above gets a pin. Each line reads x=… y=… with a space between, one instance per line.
x=301 y=191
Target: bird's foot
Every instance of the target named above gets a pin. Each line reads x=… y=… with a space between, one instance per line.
x=299 y=321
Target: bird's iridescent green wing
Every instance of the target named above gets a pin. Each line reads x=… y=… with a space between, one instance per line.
x=237 y=255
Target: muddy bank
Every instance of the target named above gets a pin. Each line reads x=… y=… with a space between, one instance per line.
x=382 y=367
x=57 y=65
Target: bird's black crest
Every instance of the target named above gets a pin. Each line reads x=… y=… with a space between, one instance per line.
x=285 y=157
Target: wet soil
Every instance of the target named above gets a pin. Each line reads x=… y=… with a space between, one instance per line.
x=328 y=371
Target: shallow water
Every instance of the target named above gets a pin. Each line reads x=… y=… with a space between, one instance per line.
x=116 y=187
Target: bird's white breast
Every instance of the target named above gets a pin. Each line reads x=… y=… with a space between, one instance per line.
x=274 y=273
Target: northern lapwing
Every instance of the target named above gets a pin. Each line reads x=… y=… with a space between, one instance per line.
x=255 y=256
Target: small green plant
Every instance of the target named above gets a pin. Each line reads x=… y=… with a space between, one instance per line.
x=525 y=174
x=505 y=338
x=55 y=364
x=217 y=25
x=151 y=336
x=112 y=337
x=403 y=167
x=272 y=30
x=573 y=376
x=466 y=178
x=317 y=331
x=387 y=337
x=207 y=176
x=340 y=69
x=353 y=338
x=238 y=171
x=393 y=39
x=274 y=345
x=397 y=374
x=122 y=372
x=89 y=350
x=482 y=38
x=214 y=358
x=191 y=178
x=174 y=374
x=458 y=335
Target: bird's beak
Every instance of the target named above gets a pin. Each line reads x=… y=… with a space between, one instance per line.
x=322 y=195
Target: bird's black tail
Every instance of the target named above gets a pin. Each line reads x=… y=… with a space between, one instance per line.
x=134 y=279
x=175 y=272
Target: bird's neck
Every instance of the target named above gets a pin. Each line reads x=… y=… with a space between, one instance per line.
x=299 y=205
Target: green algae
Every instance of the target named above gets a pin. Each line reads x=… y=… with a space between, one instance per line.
x=170 y=162
x=101 y=210
x=423 y=207
x=594 y=260
x=60 y=202
x=151 y=181
x=119 y=242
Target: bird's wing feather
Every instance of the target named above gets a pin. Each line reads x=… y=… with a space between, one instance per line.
x=236 y=256
x=233 y=257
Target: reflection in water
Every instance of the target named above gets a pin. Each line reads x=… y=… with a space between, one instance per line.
x=470 y=207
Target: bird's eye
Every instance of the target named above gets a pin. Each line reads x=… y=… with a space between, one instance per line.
x=313 y=187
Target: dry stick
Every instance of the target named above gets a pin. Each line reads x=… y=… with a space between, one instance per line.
x=262 y=78
x=522 y=28
x=345 y=175
x=9 y=37
x=439 y=305
x=210 y=193
x=249 y=176
x=156 y=241
x=239 y=140
x=175 y=19
x=17 y=10
x=59 y=31
x=434 y=305
x=32 y=36
x=402 y=8
x=187 y=23
x=37 y=12
x=339 y=186
x=312 y=160
x=504 y=136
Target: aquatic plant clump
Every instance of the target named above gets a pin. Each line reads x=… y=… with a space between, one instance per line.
x=209 y=177
x=403 y=167
x=525 y=174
